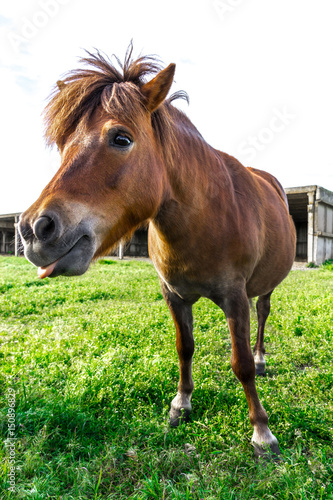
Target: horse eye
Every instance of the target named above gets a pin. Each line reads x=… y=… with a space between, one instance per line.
x=122 y=141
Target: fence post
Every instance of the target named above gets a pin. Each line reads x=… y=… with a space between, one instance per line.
x=311 y=223
x=16 y=236
x=121 y=250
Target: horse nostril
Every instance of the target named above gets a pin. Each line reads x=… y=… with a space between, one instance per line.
x=25 y=230
x=44 y=228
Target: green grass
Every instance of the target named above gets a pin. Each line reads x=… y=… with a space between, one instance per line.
x=93 y=365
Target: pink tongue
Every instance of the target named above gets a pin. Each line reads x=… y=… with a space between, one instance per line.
x=44 y=272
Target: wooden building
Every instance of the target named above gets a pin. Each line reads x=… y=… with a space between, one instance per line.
x=9 y=235
x=311 y=208
x=136 y=247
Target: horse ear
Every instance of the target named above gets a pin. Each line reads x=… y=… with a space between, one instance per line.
x=61 y=85
x=157 y=89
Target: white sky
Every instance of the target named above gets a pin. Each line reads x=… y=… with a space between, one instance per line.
x=258 y=73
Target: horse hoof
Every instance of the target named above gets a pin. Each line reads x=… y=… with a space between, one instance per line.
x=260 y=369
x=178 y=417
x=270 y=451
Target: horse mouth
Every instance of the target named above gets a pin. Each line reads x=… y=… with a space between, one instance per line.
x=44 y=272
x=72 y=263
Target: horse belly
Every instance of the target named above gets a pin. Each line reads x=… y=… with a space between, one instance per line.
x=275 y=263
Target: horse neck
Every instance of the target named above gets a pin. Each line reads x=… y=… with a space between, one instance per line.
x=196 y=181
x=195 y=171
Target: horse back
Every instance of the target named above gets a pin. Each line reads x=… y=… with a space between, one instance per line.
x=271 y=180
x=279 y=248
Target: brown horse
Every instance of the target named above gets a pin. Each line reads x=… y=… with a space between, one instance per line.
x=216 y=229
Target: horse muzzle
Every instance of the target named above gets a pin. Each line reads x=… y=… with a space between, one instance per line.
x=57 y=247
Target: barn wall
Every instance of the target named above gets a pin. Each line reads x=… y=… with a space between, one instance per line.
x=301 y=212
x=312 y=210
x=9 y=238
x=324 y=225
x=301 y=240
x=137 y=246
x=7 y=241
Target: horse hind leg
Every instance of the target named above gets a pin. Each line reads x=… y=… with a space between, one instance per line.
x=263 y=309
x=236 y=309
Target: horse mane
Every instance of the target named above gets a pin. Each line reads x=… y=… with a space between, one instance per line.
x=81 y=91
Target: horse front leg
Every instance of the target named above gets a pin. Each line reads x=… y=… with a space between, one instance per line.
x=236 y=309
x=182 y=316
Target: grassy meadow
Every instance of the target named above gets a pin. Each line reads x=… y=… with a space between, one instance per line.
x=89 y=368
